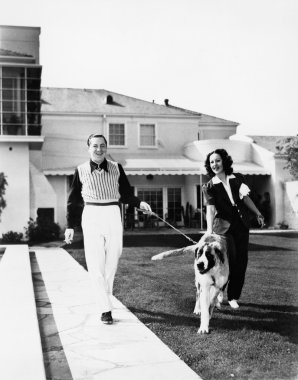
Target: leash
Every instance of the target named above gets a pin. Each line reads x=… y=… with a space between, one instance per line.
x=151 y=213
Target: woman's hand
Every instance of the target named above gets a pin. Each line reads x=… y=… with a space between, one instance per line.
x=261 y=220
x=68 y=234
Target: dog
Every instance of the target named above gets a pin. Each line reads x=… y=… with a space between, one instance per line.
x=211 y=266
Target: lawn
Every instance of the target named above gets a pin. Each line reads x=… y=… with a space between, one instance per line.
x=258 y=341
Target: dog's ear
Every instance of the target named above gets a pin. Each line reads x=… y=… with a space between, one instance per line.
x=219 y=254
x=198 y=252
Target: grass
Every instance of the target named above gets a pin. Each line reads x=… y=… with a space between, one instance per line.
x=258 y=341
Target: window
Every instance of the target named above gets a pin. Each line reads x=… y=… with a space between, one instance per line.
x=174 y=204
x=117 y=134
x=147 y=135
x=20 y=100
x=154 y=198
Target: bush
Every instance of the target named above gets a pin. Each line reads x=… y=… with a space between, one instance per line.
x=42 y=230
x=289 y=147
x=11 y=237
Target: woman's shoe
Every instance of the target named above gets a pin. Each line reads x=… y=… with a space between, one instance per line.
x=234 y=304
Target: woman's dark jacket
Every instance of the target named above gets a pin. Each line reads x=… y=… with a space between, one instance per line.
x=216 y=195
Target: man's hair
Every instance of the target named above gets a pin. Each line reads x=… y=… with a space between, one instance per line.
x=96 y=135
x=227 y=162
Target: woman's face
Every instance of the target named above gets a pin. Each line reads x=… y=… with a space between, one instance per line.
x=216 y=163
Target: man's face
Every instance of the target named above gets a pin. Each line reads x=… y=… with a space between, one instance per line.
x=97 y=149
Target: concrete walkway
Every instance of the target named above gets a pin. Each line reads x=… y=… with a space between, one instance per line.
x=69 y=319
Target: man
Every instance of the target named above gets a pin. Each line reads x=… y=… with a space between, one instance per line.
x=100 y=184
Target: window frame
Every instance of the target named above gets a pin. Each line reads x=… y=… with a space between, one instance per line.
x=125 y=135
x=155 y=146
x=25 y=126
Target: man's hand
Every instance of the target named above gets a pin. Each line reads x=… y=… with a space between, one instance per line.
x=69 y=232
x=145 y=207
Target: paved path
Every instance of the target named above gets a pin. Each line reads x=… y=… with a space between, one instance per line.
x=91 y=350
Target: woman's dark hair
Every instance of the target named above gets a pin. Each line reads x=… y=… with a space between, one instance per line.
x=227 y=162
x=95 y=135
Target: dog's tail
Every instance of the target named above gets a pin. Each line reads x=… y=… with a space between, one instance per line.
x=173 y=252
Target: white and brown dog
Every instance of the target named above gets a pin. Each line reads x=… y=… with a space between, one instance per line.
x=211 y=267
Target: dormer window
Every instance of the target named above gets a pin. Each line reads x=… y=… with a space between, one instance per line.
x=110 y=99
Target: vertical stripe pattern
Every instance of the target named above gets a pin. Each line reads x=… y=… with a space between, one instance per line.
x=100 y=185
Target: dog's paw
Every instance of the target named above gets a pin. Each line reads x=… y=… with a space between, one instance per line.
x=203 y=330
x=157 y=257
x=197 y=310
x=220 y=297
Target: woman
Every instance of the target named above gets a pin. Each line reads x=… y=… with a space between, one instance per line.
x=228 y=203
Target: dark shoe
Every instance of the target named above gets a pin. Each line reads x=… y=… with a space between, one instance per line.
x=107 y=318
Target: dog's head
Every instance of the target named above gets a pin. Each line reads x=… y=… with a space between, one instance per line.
x=207 y=256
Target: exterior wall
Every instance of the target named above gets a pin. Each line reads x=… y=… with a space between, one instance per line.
x=216 y=132
x=291 y=203
x=59 y=184
x=65 y=143
x=21 y=40
x=67 y=135
x=14 y=163
x=280 y=177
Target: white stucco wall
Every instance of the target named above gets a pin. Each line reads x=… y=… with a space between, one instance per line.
x=291 y=203
x=14 y=163
x=42 y=193
x=59 y=185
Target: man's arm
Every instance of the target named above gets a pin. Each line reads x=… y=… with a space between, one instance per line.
x=73 y=204
x=126 y=192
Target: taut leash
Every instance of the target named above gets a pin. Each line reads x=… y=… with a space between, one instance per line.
x=151 y=213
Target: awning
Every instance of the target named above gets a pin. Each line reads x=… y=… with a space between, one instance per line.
x=59 y=171
x=169 y=166
x=161 y=166
x=183 y=166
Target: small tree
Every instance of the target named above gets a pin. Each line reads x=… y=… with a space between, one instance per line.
x=289 y=147
x=3 y=184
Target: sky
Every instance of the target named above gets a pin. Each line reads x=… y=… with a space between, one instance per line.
x=233 y=59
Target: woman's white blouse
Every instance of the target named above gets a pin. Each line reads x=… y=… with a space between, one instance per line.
x=243 y=191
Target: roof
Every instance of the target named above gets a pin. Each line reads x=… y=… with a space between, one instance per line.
x=73 y=100
x=95 y=101
x=11 y=53
x=268 y=142
x=204 y=118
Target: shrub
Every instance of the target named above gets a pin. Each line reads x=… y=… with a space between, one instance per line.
x=289 y=147
x=3 y=184
x=12 y=237
x=42 y=230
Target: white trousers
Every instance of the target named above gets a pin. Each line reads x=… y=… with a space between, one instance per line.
x=102 y=230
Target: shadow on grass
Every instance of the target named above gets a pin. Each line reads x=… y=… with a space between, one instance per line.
x=279 y=319
x=260 y=247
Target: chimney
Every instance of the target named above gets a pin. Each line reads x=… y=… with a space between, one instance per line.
x=167 y=102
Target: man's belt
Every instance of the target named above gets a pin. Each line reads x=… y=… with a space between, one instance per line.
x=101 y=203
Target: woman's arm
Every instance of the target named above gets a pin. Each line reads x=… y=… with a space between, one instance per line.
x=252 y=207
x=210 y=214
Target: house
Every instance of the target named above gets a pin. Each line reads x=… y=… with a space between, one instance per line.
x=161 y=147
